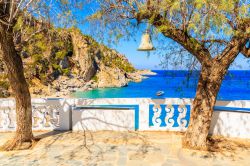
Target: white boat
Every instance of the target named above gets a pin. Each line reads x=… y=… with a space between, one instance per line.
x=160 y=93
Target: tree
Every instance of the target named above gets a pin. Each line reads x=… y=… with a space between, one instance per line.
x=214 y=32
x=58 y=12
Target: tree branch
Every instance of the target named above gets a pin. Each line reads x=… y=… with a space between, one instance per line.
x=231 y=51
x=230 y=23
x=167 y=29
x=246 y=52
x=213 y=41
x=237 y=43
x=5 y=23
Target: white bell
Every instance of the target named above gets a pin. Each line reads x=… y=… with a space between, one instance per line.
x=146 y=43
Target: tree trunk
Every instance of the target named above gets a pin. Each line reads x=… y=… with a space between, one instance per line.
x=202 y=109
x=23 y=137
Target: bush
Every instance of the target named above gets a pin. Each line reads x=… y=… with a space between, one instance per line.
x=4 y=85
x=60 y=55
x=95 y=78
x=65 y=72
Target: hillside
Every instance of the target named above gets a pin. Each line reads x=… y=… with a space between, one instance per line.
x=60 y=61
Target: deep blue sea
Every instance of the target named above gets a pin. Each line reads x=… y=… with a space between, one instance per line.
x=176 y=84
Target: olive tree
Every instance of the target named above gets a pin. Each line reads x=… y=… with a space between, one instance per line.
x=57 y=12
x=200 y=27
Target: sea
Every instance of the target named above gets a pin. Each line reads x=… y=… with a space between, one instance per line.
x=175 y=84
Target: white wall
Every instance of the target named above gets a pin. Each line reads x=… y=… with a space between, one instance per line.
x=48 y=114
x=142 y=103
x=231 y=124
x=56 y=114
x=95 y=119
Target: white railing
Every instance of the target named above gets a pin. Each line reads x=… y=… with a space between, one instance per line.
x=48 y=114
x=231 y=118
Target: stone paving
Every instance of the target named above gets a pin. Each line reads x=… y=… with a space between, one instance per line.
x=119 y=148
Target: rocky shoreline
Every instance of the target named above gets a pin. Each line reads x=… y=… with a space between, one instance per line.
x=69 y=61
x=66 y=86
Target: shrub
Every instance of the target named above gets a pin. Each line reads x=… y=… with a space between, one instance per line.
x=95 y=78
x=4 y=85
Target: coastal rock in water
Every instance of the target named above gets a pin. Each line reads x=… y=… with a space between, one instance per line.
x=135 y=77
x=138 y=75
x=111 y=77
x=146 y=72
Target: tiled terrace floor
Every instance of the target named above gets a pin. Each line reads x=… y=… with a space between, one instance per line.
x=120 y=148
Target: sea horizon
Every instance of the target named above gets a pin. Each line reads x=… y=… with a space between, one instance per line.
x=175 y=84
x=190 y=70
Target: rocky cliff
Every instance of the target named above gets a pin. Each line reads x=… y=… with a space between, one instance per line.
x=60 y=61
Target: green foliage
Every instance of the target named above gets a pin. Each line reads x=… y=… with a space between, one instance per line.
x=38 y=36
x=207 y=21
x=43 y=77
x=59 y=44
x=56 y=66
x=41 y=46
x=45 y=50
x=37 y=57
x=96 y=16
x=4 y=85
x=65 y=72
x=18 y=24
x=95 y=78
x=60 y=55
x=112 y=59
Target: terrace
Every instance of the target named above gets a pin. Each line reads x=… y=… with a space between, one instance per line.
x=128 y=131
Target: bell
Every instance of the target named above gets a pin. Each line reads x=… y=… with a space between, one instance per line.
x=146 y=43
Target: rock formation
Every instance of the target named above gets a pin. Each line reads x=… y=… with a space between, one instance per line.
x=58 y=62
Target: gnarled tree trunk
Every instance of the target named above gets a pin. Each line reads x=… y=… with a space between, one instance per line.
x=23 y=137
x=209 y=84
x=202 y=108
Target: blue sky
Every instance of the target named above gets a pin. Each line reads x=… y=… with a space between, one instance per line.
x=141 y=60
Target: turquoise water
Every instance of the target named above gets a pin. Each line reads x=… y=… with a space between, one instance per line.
x=175 y=84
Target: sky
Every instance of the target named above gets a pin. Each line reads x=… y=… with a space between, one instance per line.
x=139 y=59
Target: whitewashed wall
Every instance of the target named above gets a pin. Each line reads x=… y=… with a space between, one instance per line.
x=231 y=124
x=48 y=114
x=141 y=114
x=94 y=119
x=142 y=104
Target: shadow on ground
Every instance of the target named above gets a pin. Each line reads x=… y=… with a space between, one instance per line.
x=123 y=148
